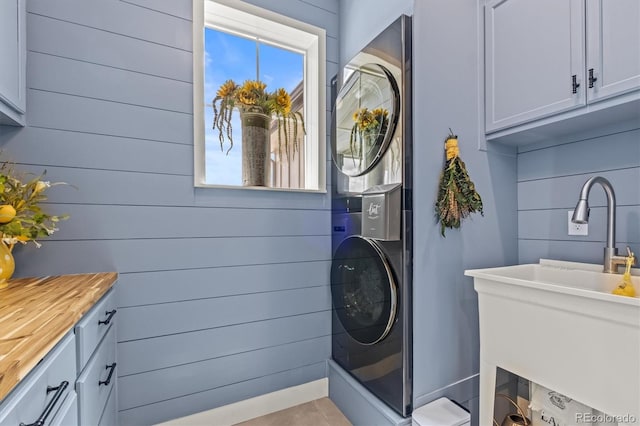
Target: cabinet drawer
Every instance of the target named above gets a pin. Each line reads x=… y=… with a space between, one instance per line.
x=68 y=414
x=110 y=414
x=34 y=396
x=96 y=382
x=92 y=328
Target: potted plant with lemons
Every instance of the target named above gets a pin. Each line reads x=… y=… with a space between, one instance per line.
x=257 y=108
x=22 y=220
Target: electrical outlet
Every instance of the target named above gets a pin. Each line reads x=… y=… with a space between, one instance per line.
x=577 y=228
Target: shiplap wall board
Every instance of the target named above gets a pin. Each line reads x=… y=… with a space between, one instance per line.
x=223 y=294
x=201 y=401
x=550 y=179
x=158 y=385
x=169 y=349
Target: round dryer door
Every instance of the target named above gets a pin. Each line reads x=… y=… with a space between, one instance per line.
x=363 y=290
x=365 y=118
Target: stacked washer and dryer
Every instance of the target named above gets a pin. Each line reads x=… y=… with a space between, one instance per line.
x=371 y=269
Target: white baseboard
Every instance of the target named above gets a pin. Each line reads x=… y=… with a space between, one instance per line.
x=255 y=407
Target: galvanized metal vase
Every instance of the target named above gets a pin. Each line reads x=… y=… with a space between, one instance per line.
x=256 y=149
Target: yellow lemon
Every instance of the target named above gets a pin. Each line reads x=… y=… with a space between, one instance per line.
x=7 y=213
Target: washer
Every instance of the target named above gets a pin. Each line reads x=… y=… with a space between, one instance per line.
x=371 y=267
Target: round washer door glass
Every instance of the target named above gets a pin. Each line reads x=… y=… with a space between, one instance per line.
x=363 y=290
x=365 y=119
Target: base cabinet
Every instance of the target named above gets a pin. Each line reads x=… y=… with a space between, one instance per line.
x=75 y=383
x=97 y=381
x=96 y=364
x=68 y=415
x=110 y=414
x=46 y=396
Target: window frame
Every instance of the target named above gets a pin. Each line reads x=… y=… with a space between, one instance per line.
x=234 y=16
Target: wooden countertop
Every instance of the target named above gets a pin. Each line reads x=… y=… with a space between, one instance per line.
x=36 y=313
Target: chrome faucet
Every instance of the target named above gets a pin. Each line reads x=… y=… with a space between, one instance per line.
x=581 y=215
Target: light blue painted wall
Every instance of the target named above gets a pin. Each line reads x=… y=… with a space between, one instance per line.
x=223 y=294
x=447 y=93
x=549 y=182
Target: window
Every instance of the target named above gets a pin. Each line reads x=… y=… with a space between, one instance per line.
x=240 y=42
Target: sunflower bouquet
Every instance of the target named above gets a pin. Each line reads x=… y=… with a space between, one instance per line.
x=252 y=96
x=368 y=126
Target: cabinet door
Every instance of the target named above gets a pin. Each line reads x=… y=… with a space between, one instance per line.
x=533 y=51
x=68 y=414
x=96 y=382
x=613 y=47
x=12 y=54
x=44 y=390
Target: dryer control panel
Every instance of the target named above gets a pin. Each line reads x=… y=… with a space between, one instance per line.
x=381 y=212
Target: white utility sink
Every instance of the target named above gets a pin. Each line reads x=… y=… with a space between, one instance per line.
x=557 y=324
x=580 y=279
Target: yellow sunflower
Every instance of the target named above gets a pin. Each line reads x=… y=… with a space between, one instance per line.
x=227 y=89
x=283 y=101
x=364 y=119
x=380 y=112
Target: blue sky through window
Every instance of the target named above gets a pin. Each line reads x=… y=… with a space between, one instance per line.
x=233 y=57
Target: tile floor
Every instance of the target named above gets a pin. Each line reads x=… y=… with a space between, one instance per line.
x=321 y=412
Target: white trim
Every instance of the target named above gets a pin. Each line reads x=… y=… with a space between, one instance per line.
x=238 y=16
x=234 y=16
x=262 y=188
x=198 y=95
x=256 y=407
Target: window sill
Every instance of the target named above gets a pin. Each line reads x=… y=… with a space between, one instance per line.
x=261 y=188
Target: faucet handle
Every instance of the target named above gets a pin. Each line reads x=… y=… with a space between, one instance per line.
x=631 y=256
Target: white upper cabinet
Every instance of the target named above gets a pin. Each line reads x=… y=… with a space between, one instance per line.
x=554 y=60
x=613 y=47
x=12 y=61
x=534 y=50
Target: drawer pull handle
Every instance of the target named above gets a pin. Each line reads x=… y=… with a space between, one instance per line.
x=59 y=390
x=112 y=368
x=110 y=315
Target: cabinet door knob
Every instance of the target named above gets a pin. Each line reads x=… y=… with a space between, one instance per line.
x=574 y=84
x=59 y=390
x=110 y=315
x=111 y=369
x=592 y=79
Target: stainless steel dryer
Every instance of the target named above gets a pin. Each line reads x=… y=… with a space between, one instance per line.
x=372 y=217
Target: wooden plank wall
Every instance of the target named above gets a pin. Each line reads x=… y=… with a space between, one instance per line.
x=223 y=294
x=549 y=182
